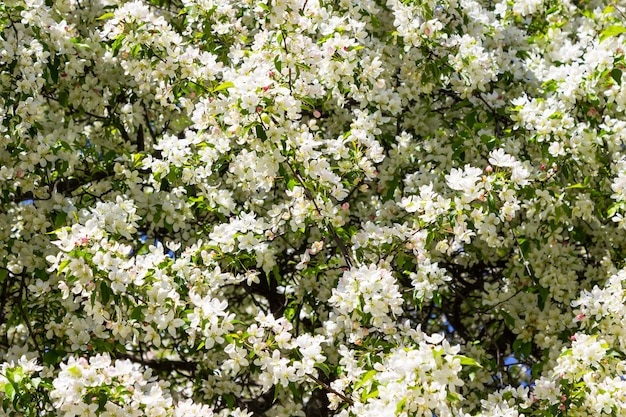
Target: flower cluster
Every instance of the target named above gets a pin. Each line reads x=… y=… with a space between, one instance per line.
x=420 y=378
x=367 y=296
x=306 y=208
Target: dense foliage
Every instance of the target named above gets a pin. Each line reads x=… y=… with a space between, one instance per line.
x=312 y=208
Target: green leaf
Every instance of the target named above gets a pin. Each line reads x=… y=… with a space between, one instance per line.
x=324 y=368
x=102 y=401
x=260 y=132
x=368 y=376
x=63 y=265
x=230 y=400
x=77 y=42
x=614 y=208
x=53 y=67
x=223 y=86
x=608 y=9
x=465 y=361
x=137 y=313
x=437 y=298
x=51 y=357
x=278 y=64
x=117 y=44
x=291 y=183
x=59 y=219
x=612 y=31
x=106 y=16
x=550 y=86
x=372 y=394
x=297 y=395
x=105 y=292
x=537 y=369
x=9 y=391
x=452 y=397
x=470 y=119
x=522 y=348
x=543 y=297
x=135 y=50
x=508 y=319
x=63 y=98
x=400 y=405
x=616 y=74
x=391 y=189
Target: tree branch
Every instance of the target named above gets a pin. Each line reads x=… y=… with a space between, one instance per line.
x=330 y=389
x=161 y=365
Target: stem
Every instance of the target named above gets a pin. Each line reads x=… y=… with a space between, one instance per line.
x=31 y=333
x=521 y=253
x=331 y=389
x=329 y=227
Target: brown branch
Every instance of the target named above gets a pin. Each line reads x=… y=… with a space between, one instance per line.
x=258 y=406
x=69 y=185
x=330 y=389
x=162 y=365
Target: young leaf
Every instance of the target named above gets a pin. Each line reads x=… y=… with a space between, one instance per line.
x=611 y=31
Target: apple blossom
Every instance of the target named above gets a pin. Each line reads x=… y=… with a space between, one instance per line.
x=312 y=208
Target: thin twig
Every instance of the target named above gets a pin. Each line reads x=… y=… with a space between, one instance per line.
x=330 y=228
x=330 y=389
x=521 y=252
x=494 y=113
x=26 y=319
x=148 y=123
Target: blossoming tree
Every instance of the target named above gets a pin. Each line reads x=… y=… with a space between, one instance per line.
x=312 y=208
